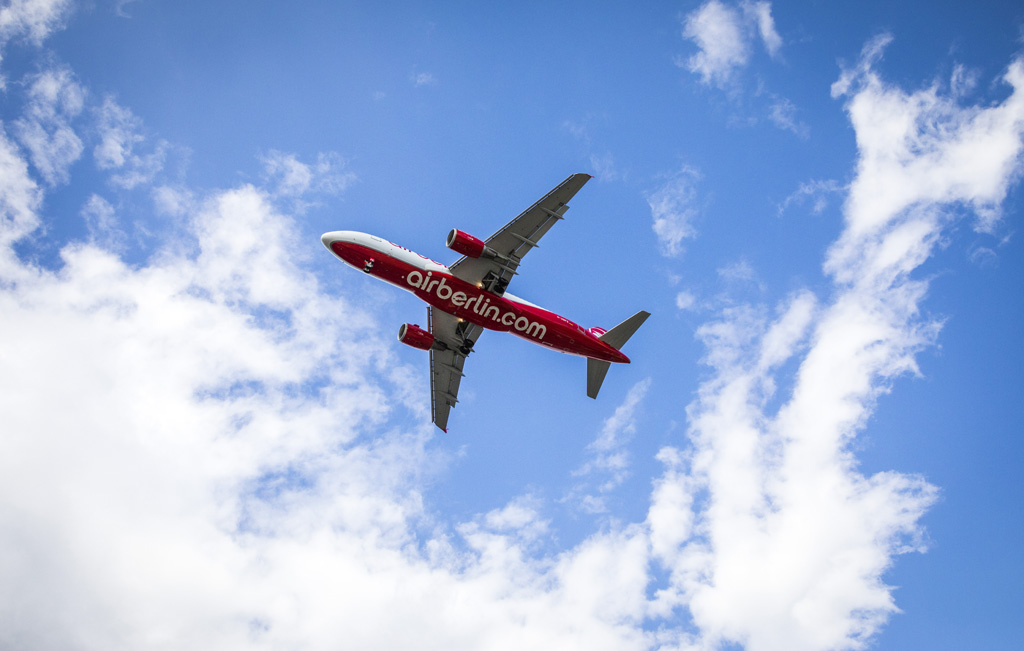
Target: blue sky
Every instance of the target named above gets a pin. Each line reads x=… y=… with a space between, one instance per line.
x=212 y=439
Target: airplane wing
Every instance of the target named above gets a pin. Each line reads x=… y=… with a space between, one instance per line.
x=446 y=364
x=517 y=237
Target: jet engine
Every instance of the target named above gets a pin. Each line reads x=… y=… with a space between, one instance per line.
x=465 y=244
x=415 y=336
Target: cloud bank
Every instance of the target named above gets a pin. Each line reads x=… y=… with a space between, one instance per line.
x=772 y=537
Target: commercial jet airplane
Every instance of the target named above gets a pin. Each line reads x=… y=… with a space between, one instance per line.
x=469 y=297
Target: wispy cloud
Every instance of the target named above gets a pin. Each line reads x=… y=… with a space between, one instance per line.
x=55 y=98
x=20 y=199
x=119 y=8
x=120 y=141
x=32 y=20
x=329 y=174
x=782 y=113
x=725 y=36
x=602 y=163
x=423 y=79
x=101 y=220
x=817 y=192
x=608 y=460
x=761 y=14
x=674 y=209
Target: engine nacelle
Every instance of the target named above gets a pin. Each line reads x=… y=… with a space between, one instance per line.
x=415 y=336
x=465 y=244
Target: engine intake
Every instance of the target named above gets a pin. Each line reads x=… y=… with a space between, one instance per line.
x=415 y=336
x=465 y=244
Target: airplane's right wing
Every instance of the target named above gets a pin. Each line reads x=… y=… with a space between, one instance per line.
x=446 y=364
x=516 y=238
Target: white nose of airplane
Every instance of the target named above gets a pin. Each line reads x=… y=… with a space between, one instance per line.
x=338 y=236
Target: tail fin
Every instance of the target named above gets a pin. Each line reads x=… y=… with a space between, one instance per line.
x=616 y=338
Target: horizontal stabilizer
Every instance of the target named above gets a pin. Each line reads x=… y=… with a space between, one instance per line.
x=596 y=370
x=620 y=334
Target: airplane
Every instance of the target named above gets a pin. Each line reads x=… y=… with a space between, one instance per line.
x=470 y=296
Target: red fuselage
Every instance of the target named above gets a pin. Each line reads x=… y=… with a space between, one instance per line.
x=433 y=283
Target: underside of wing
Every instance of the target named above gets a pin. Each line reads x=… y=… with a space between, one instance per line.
x=509 y=245
x=454 y=340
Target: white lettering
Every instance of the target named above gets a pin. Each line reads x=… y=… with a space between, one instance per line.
x=478 y=304
x=537 y=330
x=447 y=291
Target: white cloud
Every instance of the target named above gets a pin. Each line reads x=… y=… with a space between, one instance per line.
x=782 y=114
x=741 y=271
x=817 y=191
x=673 y=210
x=219 y=472
x=54 y=99
x=142 y=506
x=119 y=8
x=120 y=137
x=423 y=79
x=718 y=31
x=685 y=300
x=172 y=201
x=32 y=20
x=761 y=14
x=118 y=131
x=963 y=81
x=604 y=166
x=725 y=37
x=608 y=458
x=20 y=198
x=919 y=149
x=101 y=220
x=293 y=178
x=772 y=537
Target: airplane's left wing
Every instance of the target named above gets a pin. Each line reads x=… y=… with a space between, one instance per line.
x=517 y=238
x=446 y=363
